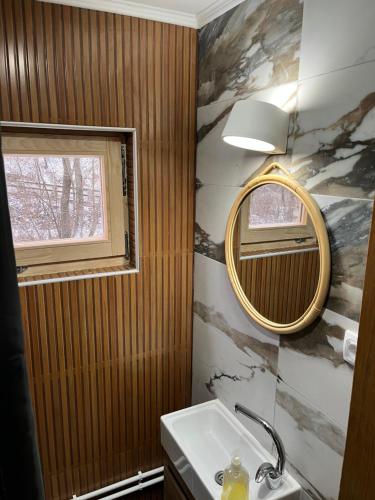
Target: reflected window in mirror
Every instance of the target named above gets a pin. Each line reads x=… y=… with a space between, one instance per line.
x=271 y=206
x=273 y=220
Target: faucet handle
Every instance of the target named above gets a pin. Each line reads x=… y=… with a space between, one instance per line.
x=268 y=472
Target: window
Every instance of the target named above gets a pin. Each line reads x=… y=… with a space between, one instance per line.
x=67 y=200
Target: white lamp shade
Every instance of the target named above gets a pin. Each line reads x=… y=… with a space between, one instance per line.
x=258 y=126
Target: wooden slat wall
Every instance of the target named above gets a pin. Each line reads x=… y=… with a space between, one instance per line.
x=108 y=356
x=280 y=287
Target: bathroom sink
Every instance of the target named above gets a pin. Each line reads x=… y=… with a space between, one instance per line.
x=200 y=441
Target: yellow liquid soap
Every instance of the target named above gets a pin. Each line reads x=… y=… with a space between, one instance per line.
x=236 y=482
x=235 y=491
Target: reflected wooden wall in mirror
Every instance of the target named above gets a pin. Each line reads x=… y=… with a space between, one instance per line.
x=277 y=252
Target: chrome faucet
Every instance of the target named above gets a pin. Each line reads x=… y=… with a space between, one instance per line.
x=267 y=471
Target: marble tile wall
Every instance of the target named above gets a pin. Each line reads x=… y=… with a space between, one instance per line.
x=316 y=60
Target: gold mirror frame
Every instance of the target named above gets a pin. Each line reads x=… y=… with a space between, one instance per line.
x=313 y=210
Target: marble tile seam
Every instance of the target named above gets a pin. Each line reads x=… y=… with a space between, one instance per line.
x=206 y=184
x=298 y=81
x=311 y=404
x=336 y=70
x=339 y=197
x=210 y=258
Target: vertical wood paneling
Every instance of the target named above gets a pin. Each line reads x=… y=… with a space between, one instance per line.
x=280 y=287
x=108 y=356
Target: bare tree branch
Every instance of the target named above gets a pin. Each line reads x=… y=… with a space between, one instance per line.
x=65 y=222
x=78 y=202
x=50 y=204
x=95 y=208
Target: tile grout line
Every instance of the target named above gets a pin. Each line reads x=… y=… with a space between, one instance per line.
x=297 y=81
x=310 y=403
x=206 y=184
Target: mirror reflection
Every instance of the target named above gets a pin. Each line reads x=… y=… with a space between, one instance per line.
x=276 y=253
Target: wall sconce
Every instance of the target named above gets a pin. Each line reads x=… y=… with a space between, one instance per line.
x=258 y=126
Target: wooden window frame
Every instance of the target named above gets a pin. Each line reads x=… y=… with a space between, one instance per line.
x=274 y=239
x=112 y=260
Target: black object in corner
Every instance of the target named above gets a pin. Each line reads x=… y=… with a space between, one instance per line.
x=20 y=470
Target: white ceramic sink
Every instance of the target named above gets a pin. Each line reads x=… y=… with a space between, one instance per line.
x=200 y=441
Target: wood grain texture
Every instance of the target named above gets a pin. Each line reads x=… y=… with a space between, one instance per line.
x=356 y=480
x=108 y=356
x=280 y=287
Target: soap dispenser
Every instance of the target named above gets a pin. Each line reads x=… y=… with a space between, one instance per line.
x=236 y=481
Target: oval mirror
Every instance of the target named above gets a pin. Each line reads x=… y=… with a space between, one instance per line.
x=277 y=253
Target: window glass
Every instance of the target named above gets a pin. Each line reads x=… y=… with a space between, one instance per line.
x=272 y=205
x=54 y=198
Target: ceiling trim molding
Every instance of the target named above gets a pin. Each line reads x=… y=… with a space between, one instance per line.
x=133 y=9
x=144 y=11
x=215 y=10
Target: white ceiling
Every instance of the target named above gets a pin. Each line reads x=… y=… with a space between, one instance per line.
x=192 y=13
